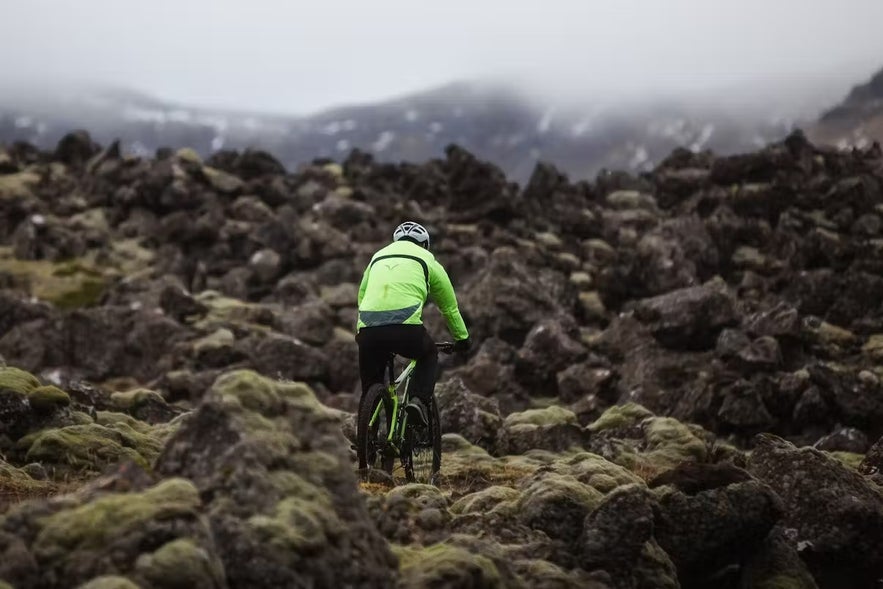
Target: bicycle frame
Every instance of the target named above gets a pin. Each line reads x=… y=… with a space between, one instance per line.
x=396 y=429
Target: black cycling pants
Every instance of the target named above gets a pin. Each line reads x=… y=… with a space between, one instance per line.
x=410 y=341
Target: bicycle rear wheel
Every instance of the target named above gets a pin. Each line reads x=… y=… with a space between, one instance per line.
x=372 y=447
x=421 y=451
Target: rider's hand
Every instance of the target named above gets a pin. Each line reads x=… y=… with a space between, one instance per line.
x=462 y=346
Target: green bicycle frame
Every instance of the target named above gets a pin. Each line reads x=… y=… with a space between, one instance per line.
x=396 y=429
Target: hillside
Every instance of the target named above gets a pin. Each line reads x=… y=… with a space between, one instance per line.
x=497 y=122
x=677 y=378
x=857 y=120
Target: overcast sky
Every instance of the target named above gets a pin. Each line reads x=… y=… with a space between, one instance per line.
x=300 y=56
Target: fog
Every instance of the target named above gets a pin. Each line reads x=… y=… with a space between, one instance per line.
x=290 y=56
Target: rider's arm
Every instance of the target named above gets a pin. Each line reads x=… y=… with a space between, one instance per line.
x=442 y=292
x=364 y=285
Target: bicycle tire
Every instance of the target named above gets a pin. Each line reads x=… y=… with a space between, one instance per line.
x=421 y=451
x=372 y=447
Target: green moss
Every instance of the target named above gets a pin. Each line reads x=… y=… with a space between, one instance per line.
x=181 y=563
x=553 y=415
x=48 y=398
x=189 y=155
x=67 y=285
x=5 y=585
x=670 y=442
x=16 y=483
x=426 y=496
x=226 y=311
x=91 y=446
x=542 y=573
x=109 y=582
x=552 y=488
x=222 y=181
x=128 y=400
x=599 y=473
x=111 y=418
x=218 y=339
x=619 y=416
x=99 y=523
x=485 y=501
x=445 y=565
x=298 y=524
x=848 y=459
x=261 y=394
x=18 y=185
x=17 y=380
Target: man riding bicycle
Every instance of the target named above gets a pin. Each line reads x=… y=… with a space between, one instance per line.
x=397 y=283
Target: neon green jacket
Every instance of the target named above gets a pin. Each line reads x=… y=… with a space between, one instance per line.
x=398 y=282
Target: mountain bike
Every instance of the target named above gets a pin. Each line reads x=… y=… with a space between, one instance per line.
x=384 y=433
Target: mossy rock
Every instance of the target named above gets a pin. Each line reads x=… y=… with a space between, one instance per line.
x=91 y=446
x=109 y=582
x=17 y=380
x=548 y=416
x=263 y=395
x=486 y=500
x=181 y=563
x=557 y=505
x=671 y=442
x=224 y=311
x=189 y=155
x=96 y=525
x=300 y=524
x=597 y=472
x=19 y=185
x=67 y=285
x=128 y=400
x=445 y=565
x=222 y=181
x=16 y=484
x=425 y=496
x=46 y=399
x=218 y=339
x=848 y=459
x=620 y=416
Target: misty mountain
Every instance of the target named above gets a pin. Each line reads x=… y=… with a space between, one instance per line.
x=501 y=124
x=857 y=120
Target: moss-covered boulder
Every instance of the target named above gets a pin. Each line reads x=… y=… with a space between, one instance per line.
x=67 y=285
x=109 y=582
x=552 y=428
x=144 y=404
x=94 y=537
x=92 y=446
x=46 y=399
x=646 y=444
x=411 y=513
x=283 y=497
x=557 y=505
x=446 y=566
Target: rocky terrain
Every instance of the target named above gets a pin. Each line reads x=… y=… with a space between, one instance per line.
x=676 y=383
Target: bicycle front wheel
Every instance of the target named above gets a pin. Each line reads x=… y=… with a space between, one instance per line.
x=421 y=452
x=375 y=420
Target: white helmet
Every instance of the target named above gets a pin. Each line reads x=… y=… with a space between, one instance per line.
x=413 y=231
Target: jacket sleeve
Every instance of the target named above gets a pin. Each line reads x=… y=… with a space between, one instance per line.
x=442 y=293
x=364 y=285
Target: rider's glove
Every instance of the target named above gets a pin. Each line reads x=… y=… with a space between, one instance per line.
x=462 y=346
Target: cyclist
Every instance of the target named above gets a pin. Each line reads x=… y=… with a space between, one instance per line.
x=397 y=283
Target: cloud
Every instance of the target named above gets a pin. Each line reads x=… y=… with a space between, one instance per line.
x=298 y=56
